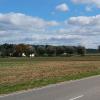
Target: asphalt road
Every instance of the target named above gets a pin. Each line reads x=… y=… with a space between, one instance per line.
x=85 y=89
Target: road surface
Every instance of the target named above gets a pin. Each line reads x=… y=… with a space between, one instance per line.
x=84 y=89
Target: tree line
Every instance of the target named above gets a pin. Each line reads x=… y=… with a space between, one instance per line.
x=17 y=50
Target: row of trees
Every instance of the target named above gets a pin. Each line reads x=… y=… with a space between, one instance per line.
x=40 y=50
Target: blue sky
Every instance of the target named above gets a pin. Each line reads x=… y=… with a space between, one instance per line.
x=44 y=8
x=58 y=22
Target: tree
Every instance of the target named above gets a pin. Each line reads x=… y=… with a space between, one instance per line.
x=30 y=50
x=60 y=50
x=69 y=50
x=10 y=49
x=6 y=50
x=51 y=50
x=81 y=50
x=19 y=49
x=41 y=50
x=99 y=48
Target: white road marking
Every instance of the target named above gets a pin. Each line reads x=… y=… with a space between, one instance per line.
x=76 y=97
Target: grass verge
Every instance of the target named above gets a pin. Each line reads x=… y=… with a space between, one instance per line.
x=5 y=89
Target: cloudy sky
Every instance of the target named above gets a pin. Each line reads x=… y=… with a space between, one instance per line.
x=57 y=22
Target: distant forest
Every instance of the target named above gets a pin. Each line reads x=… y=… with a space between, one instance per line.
x=25 y=50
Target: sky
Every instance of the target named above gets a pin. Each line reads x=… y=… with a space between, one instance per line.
x=55 y=22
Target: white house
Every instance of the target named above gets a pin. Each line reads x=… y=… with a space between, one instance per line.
x=23 y=55
x=32 y=55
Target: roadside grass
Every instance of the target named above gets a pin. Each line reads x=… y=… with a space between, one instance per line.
x=25 y=73
x=42 y=82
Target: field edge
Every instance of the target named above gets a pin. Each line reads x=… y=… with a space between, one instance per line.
x=4 y=89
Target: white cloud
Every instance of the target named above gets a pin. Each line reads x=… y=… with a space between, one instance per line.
x=21 y=21
x=53 y=23
x=81 y=20
x=84 y=20
x=20 y=28
x=88 y=9
x=62 y=7
x=87 y=28
x=89 y=2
